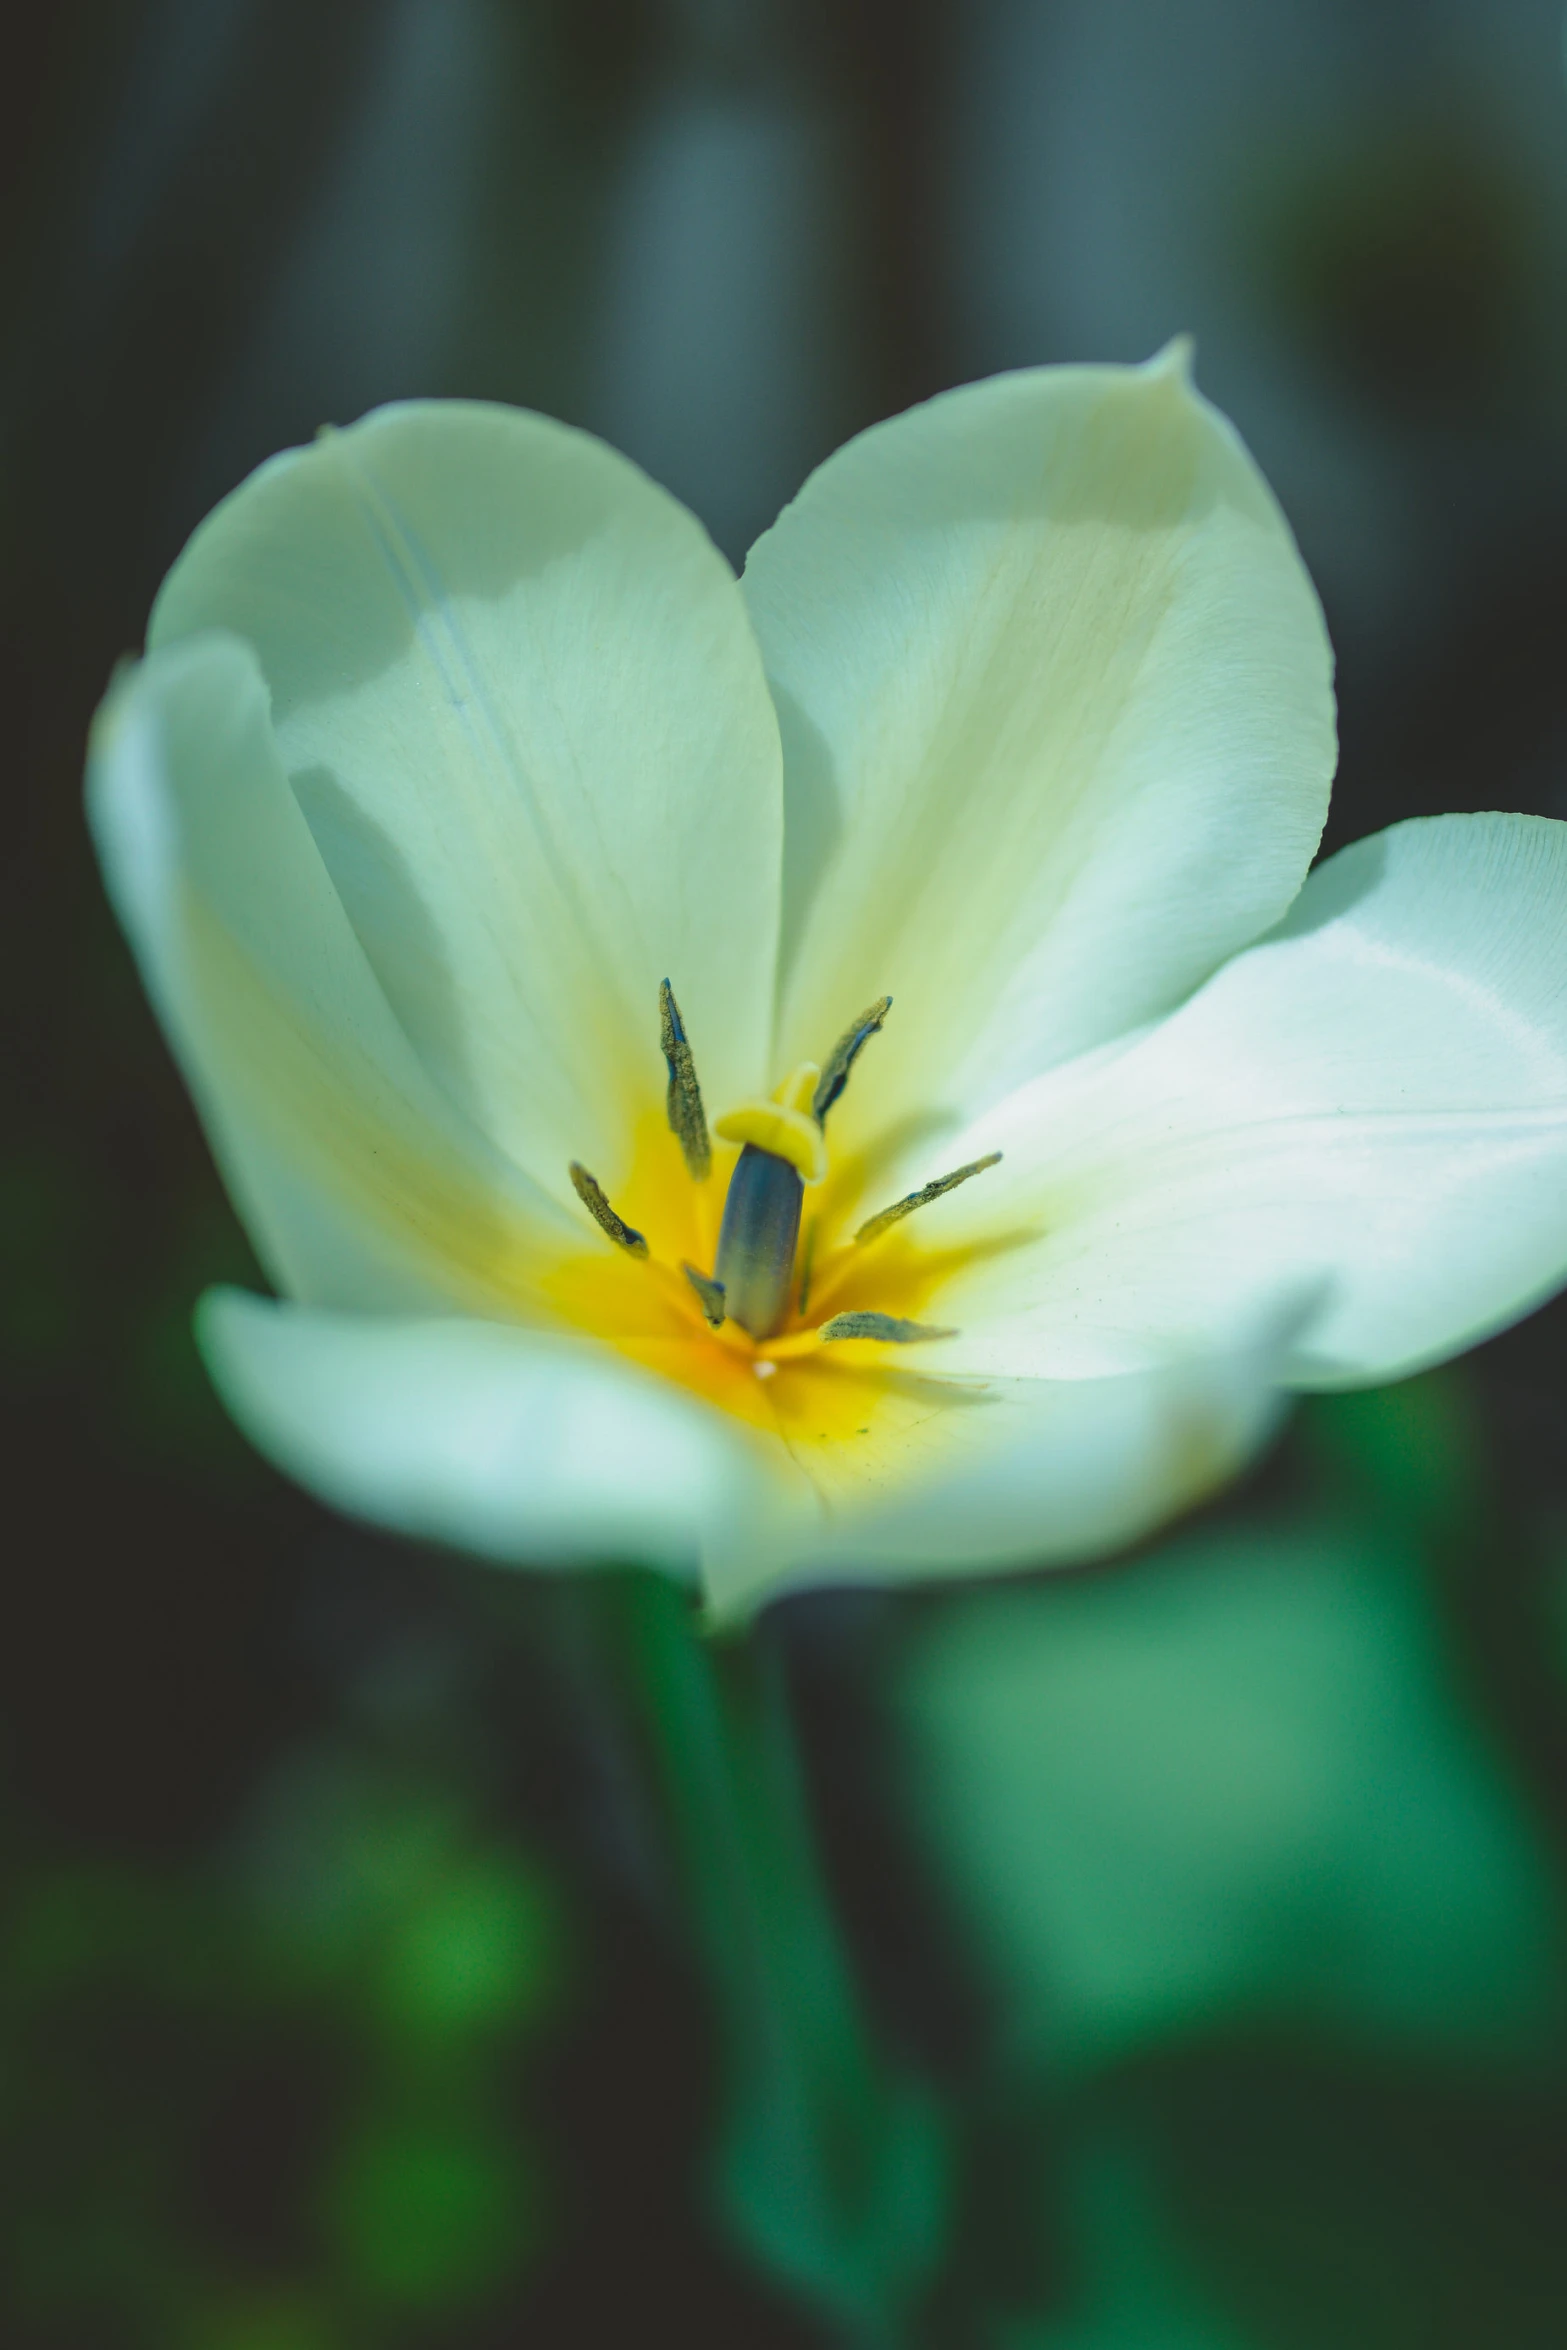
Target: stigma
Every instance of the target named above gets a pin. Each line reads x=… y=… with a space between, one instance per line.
x=757 y=1293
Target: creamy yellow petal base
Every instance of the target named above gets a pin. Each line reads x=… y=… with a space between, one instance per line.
x=792 y=1388
x=970 y=1478
x=870 y=1458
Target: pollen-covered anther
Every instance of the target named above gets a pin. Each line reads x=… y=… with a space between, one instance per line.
x=875 y=1226
x=683 y=1101
x=710 y=1294
x=807 y=1261
x=890 y=1327
x=591 y=1193
x=844 y=1054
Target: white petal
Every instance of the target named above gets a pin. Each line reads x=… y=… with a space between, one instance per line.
x=357 y=1180
x=1058 y=724
x=527 y=1449
x=1007 y=1473
x=1374 y=1100
x=516 y=692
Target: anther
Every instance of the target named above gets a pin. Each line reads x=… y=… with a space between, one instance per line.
x=592 y=1197
x=807 y=1260
x=844 y=1054
x=891 y=1327
x=687 y=1118
x=710 y=1293
x=877 y=1225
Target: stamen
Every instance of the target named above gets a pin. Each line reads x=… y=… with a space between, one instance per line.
x=888 y=1326
x=591 y=1194
x=687 y=1119
x=807 y=1260
x=844 y=1054
x=877 y=1225
x=710 y=1292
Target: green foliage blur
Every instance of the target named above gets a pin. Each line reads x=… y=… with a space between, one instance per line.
x=397 y=1953
x=1271 y=1918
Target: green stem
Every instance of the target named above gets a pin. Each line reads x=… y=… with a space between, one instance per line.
x=830 y=2164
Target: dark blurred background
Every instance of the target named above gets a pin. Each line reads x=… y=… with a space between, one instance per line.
x=1215 y=1900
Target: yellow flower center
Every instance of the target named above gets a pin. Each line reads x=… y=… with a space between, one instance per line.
x=744 y=1268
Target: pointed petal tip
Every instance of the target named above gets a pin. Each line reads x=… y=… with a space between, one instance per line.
x=1175 y=363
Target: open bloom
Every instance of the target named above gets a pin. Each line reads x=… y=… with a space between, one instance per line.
x=522 y=896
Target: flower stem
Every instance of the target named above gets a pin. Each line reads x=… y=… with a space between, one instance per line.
x=830 y=2163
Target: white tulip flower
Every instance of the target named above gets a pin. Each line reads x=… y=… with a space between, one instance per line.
x=517 y=890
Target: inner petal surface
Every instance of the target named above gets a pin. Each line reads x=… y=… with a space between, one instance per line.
x=1056 y=700
x=520 y=704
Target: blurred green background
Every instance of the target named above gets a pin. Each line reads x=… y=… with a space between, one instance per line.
x=1213 y=1904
